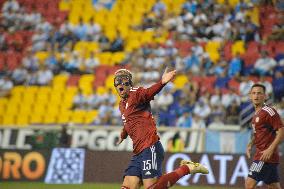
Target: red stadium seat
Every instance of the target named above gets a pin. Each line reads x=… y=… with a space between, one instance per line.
x=73 y=80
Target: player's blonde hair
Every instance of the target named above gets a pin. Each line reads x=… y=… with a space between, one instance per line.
x=123 y=72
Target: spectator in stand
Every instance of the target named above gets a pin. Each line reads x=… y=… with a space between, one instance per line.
x=165 y=99
x=232 y=113
x=74 y=64
x=104 y=41
x=216 y=122
x=39 y=41
x=216 y=98
x=117 y=44
x=93 y=30
x=32 y=78
x=30 y=62
x=94 y=100
x=230 y=97
x=80 y=101
x=222 y=81
x=5 y=86
x=235 y=66
x=105 y=114
x=110 y=97
x=175 y=144
x=202 y=109
x=159 y=7
x=80 y=30
x=45 y=76
x=19 y=75
x=190 y=6
x=264 y=65
x=185 y=120
x=51 y=62
x=10 y=5
x=3 y=44
x=268 y=86
x=278 y=86
x=244 y=88
x=91 y=63
x=192 y=63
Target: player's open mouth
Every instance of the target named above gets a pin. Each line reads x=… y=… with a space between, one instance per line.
x=121 y=89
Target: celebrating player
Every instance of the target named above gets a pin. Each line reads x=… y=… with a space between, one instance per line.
x=146 y=163
x=268 y=131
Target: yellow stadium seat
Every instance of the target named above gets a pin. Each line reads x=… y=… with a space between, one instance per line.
x=22 y=120
x=101 y=90
x=212 y=46
x=109 y=81
x=238 y=48
x=18 y=91
x=64 y=5
x=15 y=99
x=39 y=109
x=41 y=55
x=12 y=110
x=78 y=117
x=25 y=109
x=90 y=116
x=180 y=81
x=214 y=56
x=8 y=120
x=36 y=118
x=49 y=119
x=63 y=118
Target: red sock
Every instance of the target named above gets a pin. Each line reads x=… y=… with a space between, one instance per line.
x=171 y=178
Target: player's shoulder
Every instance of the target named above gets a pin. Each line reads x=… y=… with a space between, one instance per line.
x=269 y=110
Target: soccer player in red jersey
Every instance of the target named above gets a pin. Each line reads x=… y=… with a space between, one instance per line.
x=268 y=132
x=146 y=163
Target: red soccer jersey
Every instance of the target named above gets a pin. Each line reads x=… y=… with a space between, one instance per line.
x=265 y=123
x=137 y=118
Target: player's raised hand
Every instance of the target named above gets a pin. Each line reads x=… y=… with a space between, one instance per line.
x=168 y=76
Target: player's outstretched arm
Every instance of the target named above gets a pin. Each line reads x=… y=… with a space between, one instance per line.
x=168 y=76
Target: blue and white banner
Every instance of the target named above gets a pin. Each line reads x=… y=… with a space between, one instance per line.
x=103 y=4
x=66 y=166
x=226 y=142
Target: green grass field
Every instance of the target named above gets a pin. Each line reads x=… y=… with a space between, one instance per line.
x=36 y=185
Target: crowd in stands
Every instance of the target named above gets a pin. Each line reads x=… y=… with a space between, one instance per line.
x=218 y=82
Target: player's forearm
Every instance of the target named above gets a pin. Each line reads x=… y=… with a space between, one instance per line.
x=251 y=142
x=123 y=134
x=155 y=89
x=278 y=139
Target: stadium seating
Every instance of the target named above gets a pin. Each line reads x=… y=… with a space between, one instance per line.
x=53 y=104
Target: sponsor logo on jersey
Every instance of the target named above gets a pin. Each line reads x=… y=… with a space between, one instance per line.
x=257 y=119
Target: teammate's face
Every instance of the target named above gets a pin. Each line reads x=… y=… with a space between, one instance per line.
x=257 y=96
x=122 y=85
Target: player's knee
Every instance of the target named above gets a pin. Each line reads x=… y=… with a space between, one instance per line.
x=249 y=185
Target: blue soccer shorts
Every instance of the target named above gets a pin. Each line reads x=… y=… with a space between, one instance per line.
x=148 y=163
x=266 y=172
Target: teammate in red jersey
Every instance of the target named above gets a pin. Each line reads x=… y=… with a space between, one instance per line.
x=146 y=163
x=268 y=132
